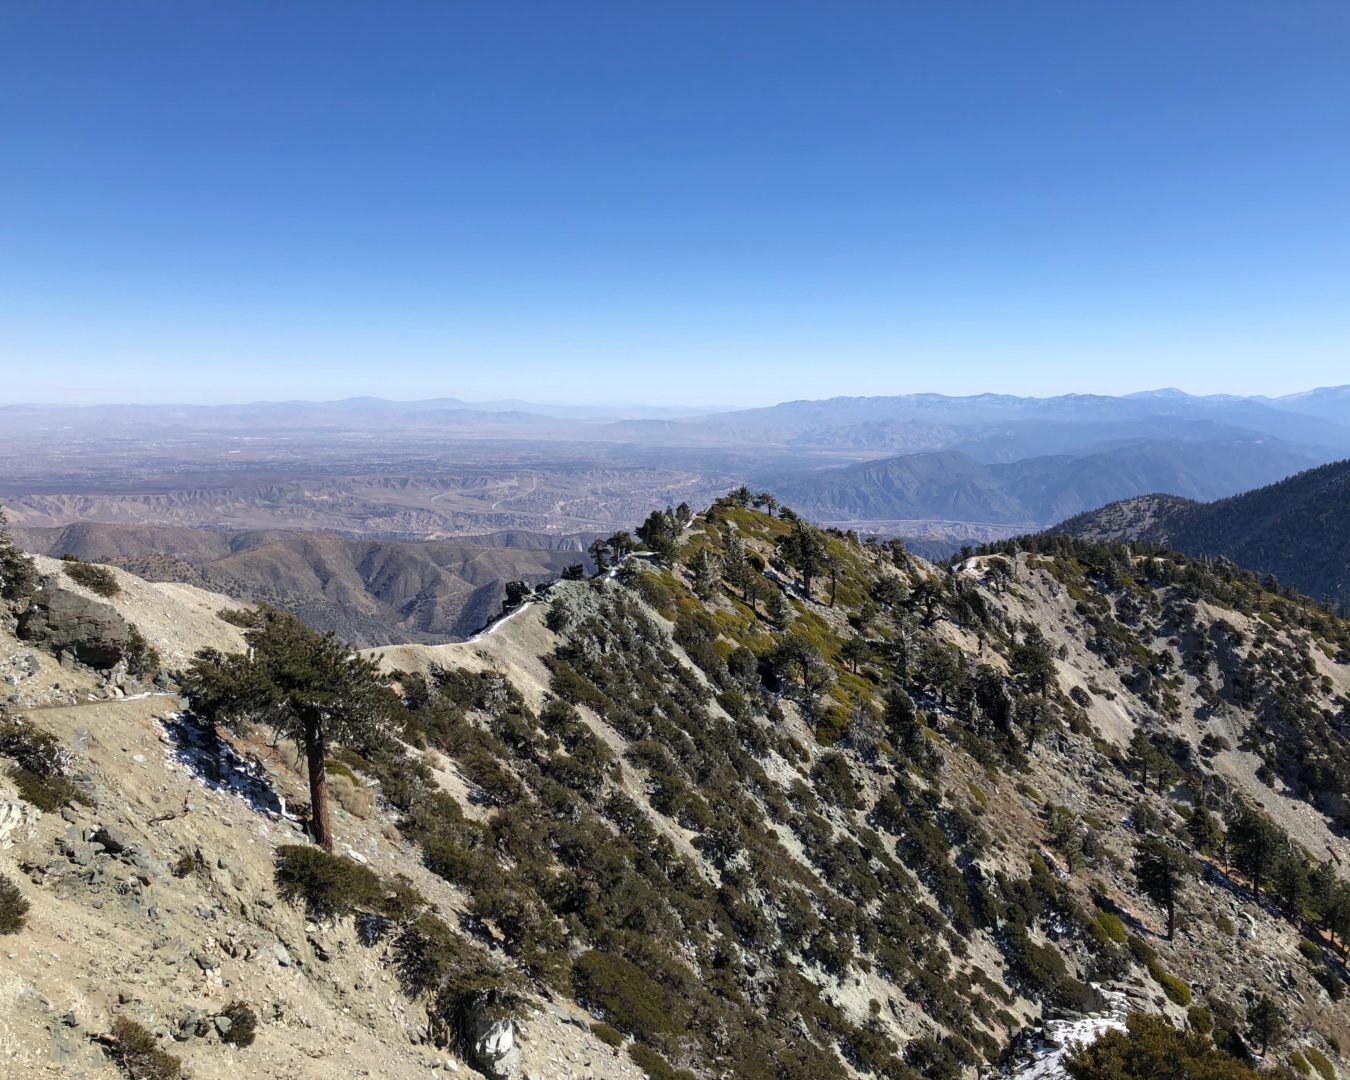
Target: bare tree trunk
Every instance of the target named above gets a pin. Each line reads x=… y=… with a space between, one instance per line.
x=315 y=756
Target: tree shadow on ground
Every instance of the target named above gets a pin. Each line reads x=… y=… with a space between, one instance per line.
x=217 y=764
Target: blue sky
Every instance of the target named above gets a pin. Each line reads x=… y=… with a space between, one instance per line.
x=721 y=202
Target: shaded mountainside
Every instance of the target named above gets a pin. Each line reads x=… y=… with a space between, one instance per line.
x=1039 y=490
x=762 y=801
x=371 y=592
x=1297 y=529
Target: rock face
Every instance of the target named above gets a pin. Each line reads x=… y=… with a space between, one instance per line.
x=67 y=622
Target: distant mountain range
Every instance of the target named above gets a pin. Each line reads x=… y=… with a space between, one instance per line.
x=371 y=592
x=910 y=422
x=1034 y=491
x=1297 y=529
x=951 y=470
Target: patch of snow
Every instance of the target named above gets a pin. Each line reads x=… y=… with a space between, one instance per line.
x=1061 y=1039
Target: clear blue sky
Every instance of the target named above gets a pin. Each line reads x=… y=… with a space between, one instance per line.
x=711 y=202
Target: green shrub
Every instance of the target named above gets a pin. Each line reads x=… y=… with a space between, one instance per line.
x=143 y=659
x=1177 y=991
x=95 y=578
x=41 y=762
x=139 y=1055
x=1299 y=1064
x=13 y=907
x=37 y=751
x=241 y=617
x=1042 y=970
x=427 y=952
x=1109 y=923
x=18 y=575
x=48 y=793
x=329 y=885
x=654 y=1065
x=1136 y=1054
x=632 y=1000
x=243 y=1024
x=1319 y=1062
x=607 y=1034
x=1199 y=1019
x=1225 y=925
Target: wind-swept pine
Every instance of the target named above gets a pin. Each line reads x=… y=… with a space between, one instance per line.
x=307 y=686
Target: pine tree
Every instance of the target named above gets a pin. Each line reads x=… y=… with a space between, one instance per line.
x=799 y=657
x=306 y=686
x=1143 y=756
x=660 y=534
x=599 y=551
x=707 y=575
x=855 y=651
x=805 y=550
x=1161 y=871
x=1256 y=842
x=1264 y=1023
x=1032 y=664
x=1291 y=885
x=1205 y=831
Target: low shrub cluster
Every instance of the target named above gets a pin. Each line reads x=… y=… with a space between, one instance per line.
x=41 y=764
x=328 y=885
x=135 y=1050
x=243 y=1027
x=13 y=907
x=97 y=579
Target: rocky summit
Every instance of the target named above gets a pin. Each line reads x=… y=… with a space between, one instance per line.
x=756 y=800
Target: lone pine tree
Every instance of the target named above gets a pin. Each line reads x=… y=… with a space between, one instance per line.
x=306 y=686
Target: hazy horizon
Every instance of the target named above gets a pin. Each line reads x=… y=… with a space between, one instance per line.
x=673 y=409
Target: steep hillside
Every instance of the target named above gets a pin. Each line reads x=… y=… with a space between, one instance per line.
x=954 y=486
x=371 y=592
x=761 y=801
x=1297 y=529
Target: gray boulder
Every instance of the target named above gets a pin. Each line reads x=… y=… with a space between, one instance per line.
x=64 y=621
x=491 y=1040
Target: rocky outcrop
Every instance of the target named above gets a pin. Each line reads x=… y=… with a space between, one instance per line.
x=66 y=622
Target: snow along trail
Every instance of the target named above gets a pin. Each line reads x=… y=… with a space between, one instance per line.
x=1059 y=1039
x=493 y=627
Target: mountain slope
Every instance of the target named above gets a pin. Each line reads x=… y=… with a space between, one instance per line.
x=1297 y=529
x=791 y=807
x=951 y=485
x=371 y=592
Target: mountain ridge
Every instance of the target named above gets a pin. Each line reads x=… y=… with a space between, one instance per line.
x=1297 y=529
